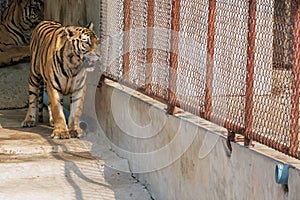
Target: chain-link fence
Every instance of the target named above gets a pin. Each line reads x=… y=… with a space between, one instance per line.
x=233 y=62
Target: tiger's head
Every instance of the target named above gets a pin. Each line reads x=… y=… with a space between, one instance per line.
x=33 y=11
x=84 y=44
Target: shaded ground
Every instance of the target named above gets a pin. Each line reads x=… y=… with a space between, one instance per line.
x=14 y=86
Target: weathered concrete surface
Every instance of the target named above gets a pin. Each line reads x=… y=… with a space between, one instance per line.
x=185 y=157
x=33 y=166
x=14 y=86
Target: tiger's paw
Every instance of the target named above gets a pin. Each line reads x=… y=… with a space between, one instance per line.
x=60 y=134
x=28 y=123
x=51 y=123
x=75 y=133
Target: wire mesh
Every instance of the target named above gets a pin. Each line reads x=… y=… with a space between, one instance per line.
x=272 y=98
x=111 y=36
x=229 y=79
x=192 y=55
x=233 y=62
x=138 y=35
x=161 y=46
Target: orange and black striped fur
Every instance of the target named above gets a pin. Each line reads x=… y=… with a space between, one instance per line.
x=60 y=59
x=17 y=23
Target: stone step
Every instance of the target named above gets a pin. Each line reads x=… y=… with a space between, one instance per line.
x=60 y=188
x=28 y=146
x=37 y=140
x=45 y=165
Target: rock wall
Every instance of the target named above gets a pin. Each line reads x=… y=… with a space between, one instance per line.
x=73 y=12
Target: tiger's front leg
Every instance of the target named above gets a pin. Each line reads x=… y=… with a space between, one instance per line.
x=75 y=112
x=30 y=119
x=34 y=90
x=60 y=127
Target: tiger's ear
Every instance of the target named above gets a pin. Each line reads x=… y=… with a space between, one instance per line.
x=90 y=26
x=69 y=32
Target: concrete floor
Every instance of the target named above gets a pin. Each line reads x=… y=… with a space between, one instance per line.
x=34 y=166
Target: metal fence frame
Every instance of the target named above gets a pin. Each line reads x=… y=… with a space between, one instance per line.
x=171 y=100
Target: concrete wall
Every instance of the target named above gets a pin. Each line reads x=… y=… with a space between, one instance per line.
x=186 y=157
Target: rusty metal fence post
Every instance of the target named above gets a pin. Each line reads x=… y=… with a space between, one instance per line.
x=294 y=131
x=126 y=40
x=250 y=72
x=175 y=28
x=210 y=58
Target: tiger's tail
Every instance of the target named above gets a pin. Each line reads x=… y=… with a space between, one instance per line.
x=40 y=102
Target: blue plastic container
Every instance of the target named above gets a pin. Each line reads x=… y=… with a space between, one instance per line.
x=83 y=125
x=282 y=173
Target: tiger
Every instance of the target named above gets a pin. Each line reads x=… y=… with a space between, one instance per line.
x=61 y=56
x=17 y=23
